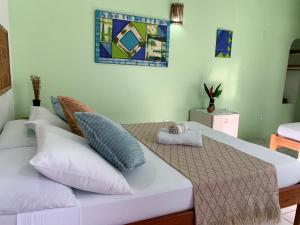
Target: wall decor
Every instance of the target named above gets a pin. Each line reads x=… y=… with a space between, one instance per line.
x=5 y=77
x=131 y=40
x=224 y=43
x=177 y=13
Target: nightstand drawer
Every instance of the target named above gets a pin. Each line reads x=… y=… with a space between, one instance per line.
x=227 y=124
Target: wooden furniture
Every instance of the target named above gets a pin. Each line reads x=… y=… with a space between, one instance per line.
x=180 y=218
x=5 y=78
x=282 y=142
x=287 y=197
x=221 y=120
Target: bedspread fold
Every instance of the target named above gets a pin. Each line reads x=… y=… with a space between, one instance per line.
x=230 y=186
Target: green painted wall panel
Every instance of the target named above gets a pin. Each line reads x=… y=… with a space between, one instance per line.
x=55 y=39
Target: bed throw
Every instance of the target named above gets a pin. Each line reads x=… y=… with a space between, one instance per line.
x=190 y=138
x=230 y=186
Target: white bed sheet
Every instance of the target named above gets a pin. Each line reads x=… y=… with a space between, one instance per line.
x=159 y=189
x=16 y=135
x=62 y=216
x=23 y=189
x=290 y=130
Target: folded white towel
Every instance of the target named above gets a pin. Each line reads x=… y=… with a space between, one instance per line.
x=190 y=138
x=178 y=128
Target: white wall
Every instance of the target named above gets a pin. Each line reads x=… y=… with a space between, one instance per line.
x=6 y=100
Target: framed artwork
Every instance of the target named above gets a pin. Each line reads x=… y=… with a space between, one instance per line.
x=131 y=40
x=5 y=77
x=224 y=43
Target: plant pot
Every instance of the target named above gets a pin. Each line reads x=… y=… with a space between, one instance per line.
x=36 y=102
x=211 y=106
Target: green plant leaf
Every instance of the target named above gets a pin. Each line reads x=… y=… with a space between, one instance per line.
x=211 y=92
x=218 y=87
x=206 y=89
x=218 y=93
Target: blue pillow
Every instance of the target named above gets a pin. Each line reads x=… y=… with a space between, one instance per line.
x=58 y=108
x=112 y=141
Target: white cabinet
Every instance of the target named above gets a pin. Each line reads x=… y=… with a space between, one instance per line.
x=221 y=120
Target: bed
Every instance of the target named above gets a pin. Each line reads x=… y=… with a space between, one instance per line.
x=288 y=136
x=161 y=194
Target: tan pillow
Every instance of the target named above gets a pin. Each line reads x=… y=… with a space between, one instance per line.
x=70 y=106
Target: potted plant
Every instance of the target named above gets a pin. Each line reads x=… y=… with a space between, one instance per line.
x=36 y=85
x=212 y=94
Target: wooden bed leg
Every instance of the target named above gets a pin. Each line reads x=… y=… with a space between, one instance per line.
x=297 y=216
x=273 y=144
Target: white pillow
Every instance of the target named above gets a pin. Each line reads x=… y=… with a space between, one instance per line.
x=44 y=115
x=23 y=189
x=15 y=134
x=66 y=158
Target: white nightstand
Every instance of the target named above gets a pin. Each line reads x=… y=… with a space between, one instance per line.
x=221 y=120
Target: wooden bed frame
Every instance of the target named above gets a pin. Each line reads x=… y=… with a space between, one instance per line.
x=287 y=197
x=282 y=142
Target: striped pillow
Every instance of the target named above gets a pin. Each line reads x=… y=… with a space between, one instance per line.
x=70 y=106
x=111 y=141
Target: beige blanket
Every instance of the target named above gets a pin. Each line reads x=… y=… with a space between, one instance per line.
x=230 y=187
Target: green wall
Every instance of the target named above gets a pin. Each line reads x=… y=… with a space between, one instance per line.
x=55 y=39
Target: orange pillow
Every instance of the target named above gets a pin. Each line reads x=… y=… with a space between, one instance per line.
x=70 y=106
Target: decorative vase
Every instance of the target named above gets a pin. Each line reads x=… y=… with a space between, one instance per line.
x=211 y=106
x=36 y=102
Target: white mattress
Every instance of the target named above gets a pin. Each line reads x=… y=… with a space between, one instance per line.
x=62 y=216
x=159 y=189
x=16 y=135
x=290 y=130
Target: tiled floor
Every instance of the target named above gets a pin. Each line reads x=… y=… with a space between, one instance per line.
x=288 y=215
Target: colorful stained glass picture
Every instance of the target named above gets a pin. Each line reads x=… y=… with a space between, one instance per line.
x=131 y=40
x=224 y=43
